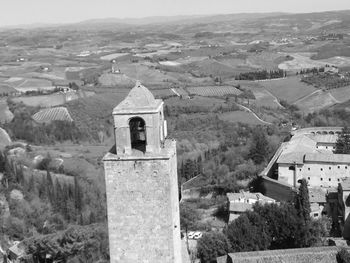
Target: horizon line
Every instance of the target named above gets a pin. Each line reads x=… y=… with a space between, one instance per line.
x=33 y=25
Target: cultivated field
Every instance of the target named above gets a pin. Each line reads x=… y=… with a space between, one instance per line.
x=196 y=101
x=24 y=84
x=217 y=91
x=52 y=114
x=316 y=101
x=290 y=89
x=115 y=80
x=170 y=63
x=300 y=61
x=144 y=73
x=210 y=67
x=180 y=91
x=263 y=98
x=240 y=116
x=303 y=61
x=265 y=60
x=113 y=56
x=162 y=93
x=189 y=59
x=52 y=100
x=341 y=94
x=331 y=50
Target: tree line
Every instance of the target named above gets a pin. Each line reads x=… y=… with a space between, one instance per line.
x=329 y=81
x=262 y=75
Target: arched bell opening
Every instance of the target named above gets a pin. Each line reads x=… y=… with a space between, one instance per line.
x=138 y=134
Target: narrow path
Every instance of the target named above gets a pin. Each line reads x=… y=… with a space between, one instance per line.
x=275 y=99
x=306 y=96
x=252 y=112
x=332 y=97
x=176 y=93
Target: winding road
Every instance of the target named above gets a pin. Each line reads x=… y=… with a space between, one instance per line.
x=252 y=112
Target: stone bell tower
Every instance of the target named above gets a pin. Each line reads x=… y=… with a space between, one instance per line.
x=141 y=184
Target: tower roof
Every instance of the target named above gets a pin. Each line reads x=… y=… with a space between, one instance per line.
x=139 y=98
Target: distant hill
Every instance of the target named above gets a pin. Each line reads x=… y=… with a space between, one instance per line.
x=304 y=21
x=241 y=23
x=127 y=22
x=178 y=19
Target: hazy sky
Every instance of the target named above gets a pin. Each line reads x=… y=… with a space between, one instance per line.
x=15 y=12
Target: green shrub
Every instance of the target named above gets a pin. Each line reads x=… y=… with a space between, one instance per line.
x=343 y=256
x=211 y=246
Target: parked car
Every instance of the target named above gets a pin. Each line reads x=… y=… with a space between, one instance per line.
x=197 y=235
x=190 y=235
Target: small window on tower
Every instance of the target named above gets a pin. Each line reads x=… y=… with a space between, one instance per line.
x=321 y=169
x=308 y=168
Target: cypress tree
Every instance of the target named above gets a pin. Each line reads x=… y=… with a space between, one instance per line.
x=302 y=202
x=77 y=194
x=199 y=164
x=50 y=187
x=31 y=185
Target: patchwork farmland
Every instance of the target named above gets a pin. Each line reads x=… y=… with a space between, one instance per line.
x=214 y=91
x=52 y=114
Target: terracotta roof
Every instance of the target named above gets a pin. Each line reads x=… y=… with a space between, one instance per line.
x=345 y=184
x=283 y=255
x=305 y=143
x=327 y=158
x=291 y=157
x=317 y=195
x=295 y=149
x=18 y=249
x=248 y=195
x=240 y=207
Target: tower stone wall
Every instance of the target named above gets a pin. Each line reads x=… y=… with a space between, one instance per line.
x=141 y=188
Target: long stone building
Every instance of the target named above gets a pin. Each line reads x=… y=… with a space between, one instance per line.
x=309 y=155
x=141 y=184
